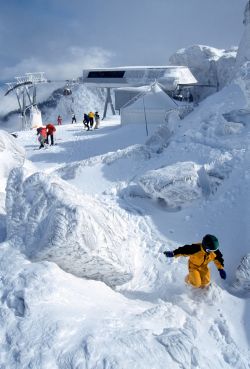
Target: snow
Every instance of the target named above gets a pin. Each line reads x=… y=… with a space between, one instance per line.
x=243 y=54
x=210 y=66
x=46 y=220
x=176 y=184
x=84 y=282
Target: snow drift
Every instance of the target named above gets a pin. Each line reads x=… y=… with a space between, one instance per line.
x=47 y=220
x=177 y=185
x=11 y=155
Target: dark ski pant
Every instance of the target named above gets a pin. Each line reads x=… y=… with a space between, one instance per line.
x=42 y=141
x=51 y=139
x=86 y=124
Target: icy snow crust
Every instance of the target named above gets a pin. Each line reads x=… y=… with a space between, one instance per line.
x=105 y=210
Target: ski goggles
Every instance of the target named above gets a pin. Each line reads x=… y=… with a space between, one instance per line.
x=208 y=250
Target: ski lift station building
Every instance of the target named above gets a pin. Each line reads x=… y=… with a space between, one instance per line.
x=128 y=82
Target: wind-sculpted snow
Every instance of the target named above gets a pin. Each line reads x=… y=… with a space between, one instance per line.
x=48 y=220
x=243 y=274
x=177 y=185
x=11 y=155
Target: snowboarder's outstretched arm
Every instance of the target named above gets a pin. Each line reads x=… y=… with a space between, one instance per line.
x=185 y=250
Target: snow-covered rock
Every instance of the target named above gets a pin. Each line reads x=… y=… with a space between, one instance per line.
x=243 y=54
x=11 y=155
x=242 y=78
x=209 y=65
x=243 y=274
x=177 y=185
x=48 y=220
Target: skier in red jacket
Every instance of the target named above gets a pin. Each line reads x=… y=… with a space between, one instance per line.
x=42 y=136
x=59 y=120
x=50 y=132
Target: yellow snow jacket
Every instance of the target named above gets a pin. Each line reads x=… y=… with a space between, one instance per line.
x=198 y=257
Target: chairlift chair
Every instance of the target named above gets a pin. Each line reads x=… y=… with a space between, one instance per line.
x=67 y=91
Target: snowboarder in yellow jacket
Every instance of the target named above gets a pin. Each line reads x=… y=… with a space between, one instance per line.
x=200 y=254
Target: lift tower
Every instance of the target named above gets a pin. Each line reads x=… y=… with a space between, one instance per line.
x=25 y=89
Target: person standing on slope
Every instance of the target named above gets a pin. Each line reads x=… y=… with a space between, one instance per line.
x=42 y=136
x=73 y=119
x=50 y=133
x=59 y=120
x=91 y=119
x=97 y=120
x=86 y=121
x=200 y=254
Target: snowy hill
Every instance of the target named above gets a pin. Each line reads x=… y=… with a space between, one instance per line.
x=52 y=102
x=84 y=283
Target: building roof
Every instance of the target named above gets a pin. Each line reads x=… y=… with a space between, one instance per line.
x=169 y=76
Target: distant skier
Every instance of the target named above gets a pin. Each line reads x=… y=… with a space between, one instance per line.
x=91 y=119
x=200 y=254
x=86 y=121
x=50 y=133
x=97 y=120
x=59 y=120
x=42 y=136
x=73 y=120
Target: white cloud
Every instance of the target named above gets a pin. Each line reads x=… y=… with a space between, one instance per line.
x=66 y=66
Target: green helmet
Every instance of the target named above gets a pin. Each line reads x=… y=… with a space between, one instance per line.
x=210 y=242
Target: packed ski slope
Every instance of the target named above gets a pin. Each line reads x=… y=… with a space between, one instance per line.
x=84 y=283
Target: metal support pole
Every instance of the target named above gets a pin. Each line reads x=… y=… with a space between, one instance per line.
x=146 y=122
x=34 y=95
x=28 y=94
x=108 y=101
x=24 y=120
x=18 y=99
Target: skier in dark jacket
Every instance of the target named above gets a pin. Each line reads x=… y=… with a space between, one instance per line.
x=86 y=121
x=200 y=254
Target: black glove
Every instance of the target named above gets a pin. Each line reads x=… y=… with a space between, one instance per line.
x=168 y=254
x=223 y=274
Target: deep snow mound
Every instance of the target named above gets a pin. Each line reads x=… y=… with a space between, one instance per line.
x=176 y=184
x=48 y=220
x=11 y=155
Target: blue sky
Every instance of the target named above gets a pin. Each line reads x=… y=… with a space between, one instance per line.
x=62 y=37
